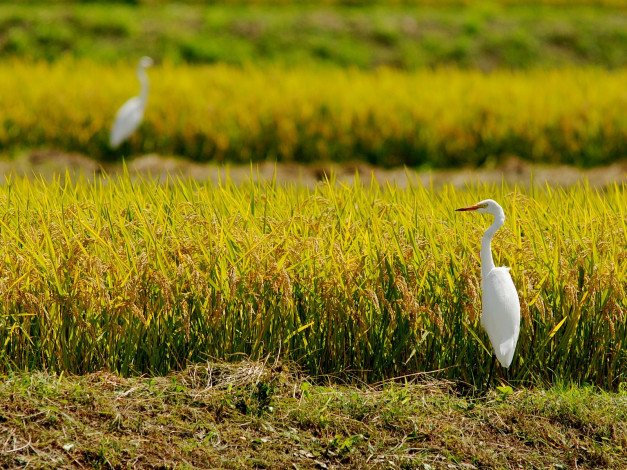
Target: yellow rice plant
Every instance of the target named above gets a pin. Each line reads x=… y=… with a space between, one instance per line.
x=431 y=3
x=366 y=281
x=440 y=117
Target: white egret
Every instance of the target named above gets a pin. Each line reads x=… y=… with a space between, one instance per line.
x=130 y=115
x=500 y=315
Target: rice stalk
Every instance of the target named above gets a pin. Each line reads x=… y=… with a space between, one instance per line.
x=367 y=281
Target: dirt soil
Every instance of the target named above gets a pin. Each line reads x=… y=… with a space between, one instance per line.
x=49 y=162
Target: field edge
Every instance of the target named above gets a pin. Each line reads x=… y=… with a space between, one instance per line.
x=268 y=415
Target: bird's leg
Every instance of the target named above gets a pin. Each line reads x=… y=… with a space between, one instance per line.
x=503 y=376
x=487 y=385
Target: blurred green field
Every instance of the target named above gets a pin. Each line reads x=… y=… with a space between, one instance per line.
x=398 y=34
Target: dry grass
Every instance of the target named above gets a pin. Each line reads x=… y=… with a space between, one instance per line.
x=266 y=415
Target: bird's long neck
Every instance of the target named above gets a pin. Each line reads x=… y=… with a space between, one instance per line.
x=145 y=85
x=487 y=263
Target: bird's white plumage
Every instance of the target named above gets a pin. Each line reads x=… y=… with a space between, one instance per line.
x=127 y=120
x=130 y=115
x=501 y=313
x=501 y=307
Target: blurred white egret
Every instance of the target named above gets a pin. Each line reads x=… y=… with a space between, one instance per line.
x=501 y=307
x=130 y=115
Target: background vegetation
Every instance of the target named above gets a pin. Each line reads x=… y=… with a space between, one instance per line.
x=476 y=35
x=425 y=118
x=306 y=81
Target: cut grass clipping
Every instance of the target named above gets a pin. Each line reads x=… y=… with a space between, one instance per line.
x=363 y=282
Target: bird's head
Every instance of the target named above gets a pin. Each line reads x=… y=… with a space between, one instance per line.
x=145 y=62
x=488 y=206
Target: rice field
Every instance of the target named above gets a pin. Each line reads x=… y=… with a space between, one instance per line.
x=431 y=118
x=365 y=281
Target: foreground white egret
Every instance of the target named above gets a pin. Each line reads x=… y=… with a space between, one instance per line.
x=501 y=307
x=130 y=115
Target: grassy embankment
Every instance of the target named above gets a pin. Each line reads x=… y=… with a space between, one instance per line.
x=408 y=36
x=257 y=415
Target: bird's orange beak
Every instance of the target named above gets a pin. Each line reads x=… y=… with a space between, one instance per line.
x=469 y=208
